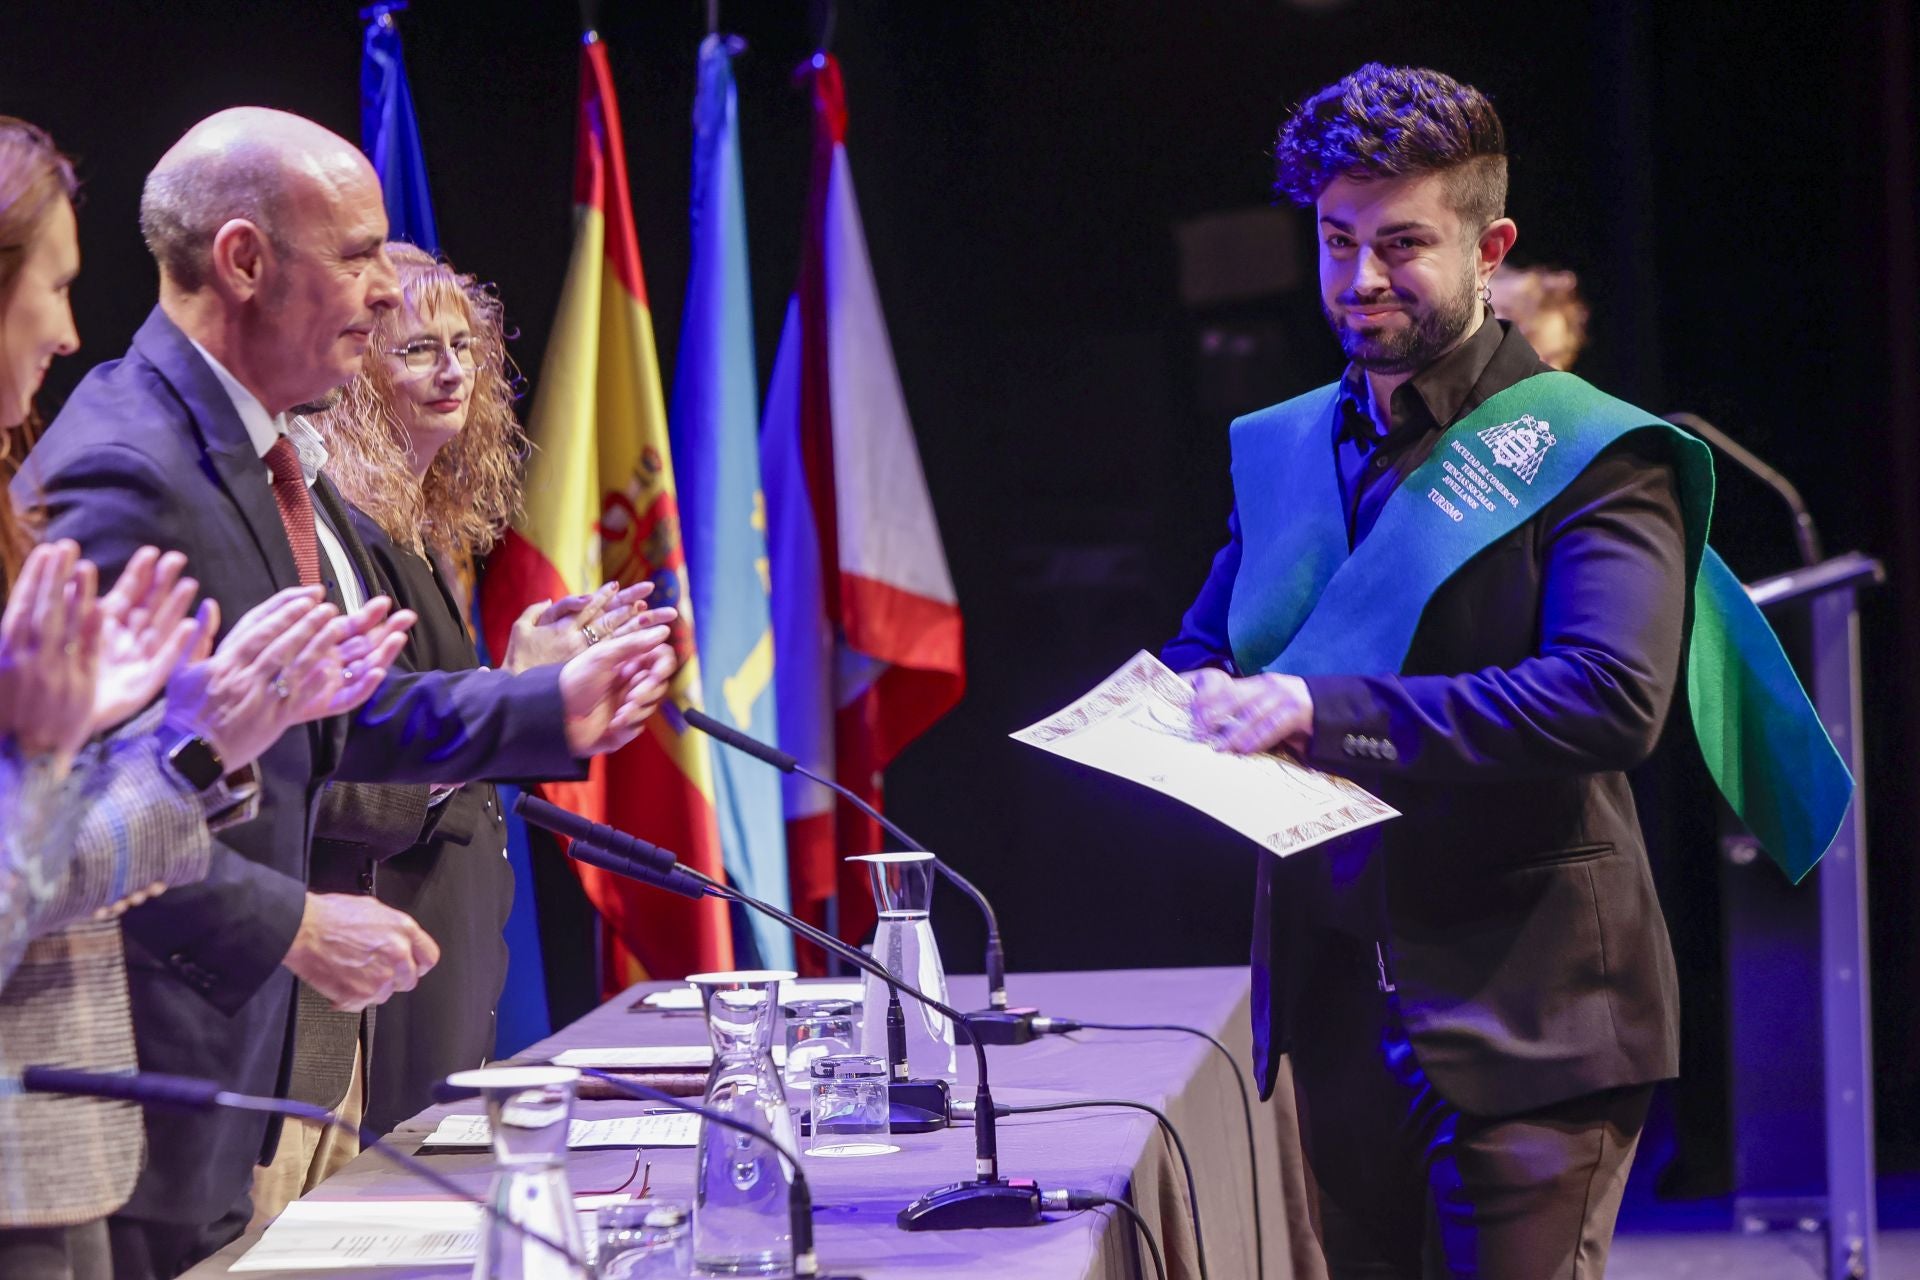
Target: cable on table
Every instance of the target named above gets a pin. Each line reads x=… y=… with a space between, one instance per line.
x=1246 y=1112
x=1146 y=1232
x=1193 y=1195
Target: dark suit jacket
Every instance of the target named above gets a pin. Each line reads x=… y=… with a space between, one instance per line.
x=354 y=825
x=1513 y=898
x=452 y=876
x=149 y=449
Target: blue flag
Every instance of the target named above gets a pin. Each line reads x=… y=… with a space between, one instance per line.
x=391 y=138
x=389 y=134
x=714 y=427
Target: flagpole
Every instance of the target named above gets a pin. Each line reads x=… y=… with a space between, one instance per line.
x=824 y=13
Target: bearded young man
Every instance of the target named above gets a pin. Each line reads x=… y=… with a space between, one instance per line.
x=1472 y=584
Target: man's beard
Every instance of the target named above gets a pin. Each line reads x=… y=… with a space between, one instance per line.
x=320 y=404
x=1434 y=330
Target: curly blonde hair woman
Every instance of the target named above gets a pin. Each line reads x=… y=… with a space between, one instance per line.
x=425 y=445
x=432 y=452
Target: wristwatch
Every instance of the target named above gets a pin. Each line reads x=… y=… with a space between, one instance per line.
x=196 y=762
x=226 y=798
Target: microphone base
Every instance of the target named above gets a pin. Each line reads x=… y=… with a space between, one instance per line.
x=1002 y=1026
x=919 y=1106
x=973 y=1206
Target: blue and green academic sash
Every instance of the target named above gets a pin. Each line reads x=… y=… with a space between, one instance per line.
x=1305 y=605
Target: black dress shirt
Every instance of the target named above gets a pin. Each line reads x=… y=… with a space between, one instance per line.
x=1371 y=466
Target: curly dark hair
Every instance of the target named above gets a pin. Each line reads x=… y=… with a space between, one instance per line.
x=1384 y=122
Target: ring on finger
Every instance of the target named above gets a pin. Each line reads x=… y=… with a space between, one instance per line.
x=586 y=629
x=281 y=689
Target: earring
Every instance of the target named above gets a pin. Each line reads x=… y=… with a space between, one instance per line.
x=1486 y=295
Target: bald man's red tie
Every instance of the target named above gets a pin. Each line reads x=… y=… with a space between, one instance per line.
x=296 y=508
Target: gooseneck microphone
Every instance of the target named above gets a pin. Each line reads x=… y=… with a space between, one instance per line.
x=986 y=1200
x=564 y=822
x=914 y=1106
x=996 y=965
x=192 y=1093
x=1805 y=536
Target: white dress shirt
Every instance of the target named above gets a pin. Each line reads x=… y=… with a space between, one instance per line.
x=263 y=430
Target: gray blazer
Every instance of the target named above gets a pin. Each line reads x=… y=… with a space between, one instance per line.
x=118 y=822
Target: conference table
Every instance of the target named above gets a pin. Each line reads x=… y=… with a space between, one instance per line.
x=1111 y=1152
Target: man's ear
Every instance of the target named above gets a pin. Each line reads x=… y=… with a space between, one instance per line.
x=241 y=258
x=1495 y=243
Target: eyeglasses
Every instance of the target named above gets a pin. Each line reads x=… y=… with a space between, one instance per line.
x=425 y=355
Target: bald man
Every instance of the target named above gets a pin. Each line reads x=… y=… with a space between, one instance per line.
x=269 y=234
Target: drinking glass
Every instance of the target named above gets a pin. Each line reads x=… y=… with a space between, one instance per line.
x=648 y=1239
x=815 y=1029
x=850 y=1106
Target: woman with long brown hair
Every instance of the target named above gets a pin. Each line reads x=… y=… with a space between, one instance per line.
x=99 y=790
x=39 y=257
x=426 y=447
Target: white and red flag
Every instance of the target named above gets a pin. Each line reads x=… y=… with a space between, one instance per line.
x=866 y=625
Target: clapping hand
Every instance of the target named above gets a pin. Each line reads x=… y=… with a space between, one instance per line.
x=291 y=659
x=369 y=639
x=546 y=633
x=611 y=689
x=49 y=653
x=145 y=632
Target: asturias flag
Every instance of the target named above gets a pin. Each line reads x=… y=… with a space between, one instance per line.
x=601 y=503
x=866 y=623
x=715 y=419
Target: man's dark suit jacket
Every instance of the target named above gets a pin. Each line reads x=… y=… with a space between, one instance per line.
x=452 y=876
x=1513 y=897
x=149 y=449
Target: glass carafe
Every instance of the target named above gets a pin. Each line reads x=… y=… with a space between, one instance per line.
x=529 y=1110
x=742 y=1223
x=903 y=893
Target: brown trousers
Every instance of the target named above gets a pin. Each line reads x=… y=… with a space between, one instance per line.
x=308 y=1153
x=1406 y=1186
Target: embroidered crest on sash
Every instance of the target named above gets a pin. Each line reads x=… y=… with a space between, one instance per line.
x=1520 y=445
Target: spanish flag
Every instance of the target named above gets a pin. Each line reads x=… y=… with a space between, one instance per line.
x=601 y=504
